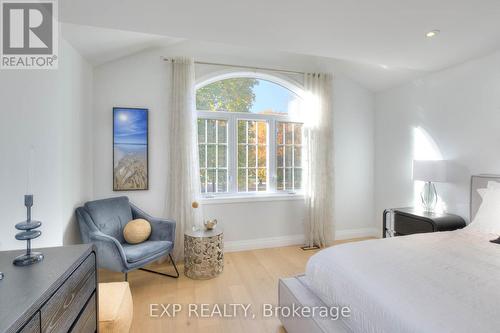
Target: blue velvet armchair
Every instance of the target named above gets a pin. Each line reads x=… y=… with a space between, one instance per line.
x=101 y=223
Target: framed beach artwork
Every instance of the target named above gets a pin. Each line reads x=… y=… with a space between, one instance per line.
x=130 y=149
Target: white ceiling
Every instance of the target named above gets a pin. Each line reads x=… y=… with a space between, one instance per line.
x=100 y=45
x=373 y=32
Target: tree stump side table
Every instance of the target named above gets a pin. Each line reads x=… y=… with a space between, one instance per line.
x=203 y=254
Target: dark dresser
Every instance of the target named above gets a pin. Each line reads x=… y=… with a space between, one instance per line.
x=58 y=294
x=408 y=221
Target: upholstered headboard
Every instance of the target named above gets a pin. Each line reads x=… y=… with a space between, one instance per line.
x=477 y=182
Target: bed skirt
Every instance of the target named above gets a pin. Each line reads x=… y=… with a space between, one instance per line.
x=294 y=291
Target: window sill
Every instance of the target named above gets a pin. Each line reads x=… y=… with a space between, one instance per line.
x=265 y=197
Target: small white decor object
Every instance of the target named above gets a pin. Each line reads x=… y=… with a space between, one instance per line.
x=429 y=172
x=210 y=224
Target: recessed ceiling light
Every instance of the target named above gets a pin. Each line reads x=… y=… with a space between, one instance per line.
x=384 y=66
x=432 y=33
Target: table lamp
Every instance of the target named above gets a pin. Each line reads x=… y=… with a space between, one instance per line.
x=430 y=172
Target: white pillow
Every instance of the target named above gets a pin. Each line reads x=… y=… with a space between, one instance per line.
x=493 y=184
x=487 y=219
x=482 y=192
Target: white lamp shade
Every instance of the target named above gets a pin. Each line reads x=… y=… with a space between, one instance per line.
x=429 y=171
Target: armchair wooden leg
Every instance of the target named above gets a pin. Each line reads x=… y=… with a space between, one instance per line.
x=164 y=274
x=126 y=277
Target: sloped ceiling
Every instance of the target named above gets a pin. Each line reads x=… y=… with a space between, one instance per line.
x=389 y=34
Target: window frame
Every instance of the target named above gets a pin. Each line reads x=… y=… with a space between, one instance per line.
x=293 y=145
x=247 y=167
x=217 y=144
x=272 y=193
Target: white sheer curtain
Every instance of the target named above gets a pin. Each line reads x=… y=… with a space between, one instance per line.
x=183 y=179
x=319 y=170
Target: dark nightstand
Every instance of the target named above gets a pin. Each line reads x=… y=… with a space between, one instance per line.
x=409 y=221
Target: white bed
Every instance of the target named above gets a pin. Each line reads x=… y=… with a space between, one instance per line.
x=436 y=282
x=439 y=282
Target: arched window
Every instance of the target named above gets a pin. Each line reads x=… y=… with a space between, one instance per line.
x=249 y=135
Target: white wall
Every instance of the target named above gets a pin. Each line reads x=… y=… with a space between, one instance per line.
x=460 y=109
x=76 y=144
x=48 y=109
x=142 y=80
x=354 y=159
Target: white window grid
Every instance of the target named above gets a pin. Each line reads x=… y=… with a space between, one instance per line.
x=290 y=149
x=248 y=146
x=217 y=169
x=232 y=148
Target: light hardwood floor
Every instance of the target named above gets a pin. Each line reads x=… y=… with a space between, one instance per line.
x=249 y=277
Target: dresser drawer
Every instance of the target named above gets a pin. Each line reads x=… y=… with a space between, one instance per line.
x=33 y=326
x=406 y=225
x=62 y=309
x=87 y=322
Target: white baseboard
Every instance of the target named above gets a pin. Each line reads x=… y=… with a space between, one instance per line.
x=356 y=233
x=264 y=243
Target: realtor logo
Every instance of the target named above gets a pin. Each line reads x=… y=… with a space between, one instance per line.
x=29 y=34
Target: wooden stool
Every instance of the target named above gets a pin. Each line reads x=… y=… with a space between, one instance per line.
x=116 y=308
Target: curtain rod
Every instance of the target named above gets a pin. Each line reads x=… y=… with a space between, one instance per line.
x=241 y=66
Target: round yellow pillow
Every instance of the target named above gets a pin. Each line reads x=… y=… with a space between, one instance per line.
x=137 y=231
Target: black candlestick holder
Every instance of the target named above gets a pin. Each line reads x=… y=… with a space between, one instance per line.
x=28 y=233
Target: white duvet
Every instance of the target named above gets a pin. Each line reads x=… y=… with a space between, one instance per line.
x=436 y=282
